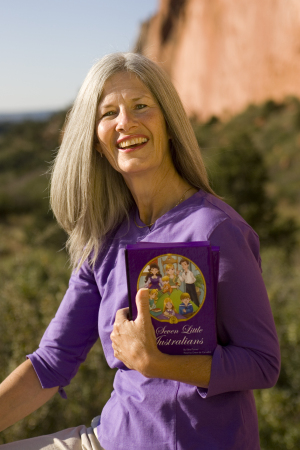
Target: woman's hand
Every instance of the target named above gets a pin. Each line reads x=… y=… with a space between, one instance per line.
x=134 y=342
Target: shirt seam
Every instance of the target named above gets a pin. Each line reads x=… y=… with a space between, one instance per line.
x=228 y=218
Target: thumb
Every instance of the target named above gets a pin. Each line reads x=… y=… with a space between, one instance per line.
x=142 y=303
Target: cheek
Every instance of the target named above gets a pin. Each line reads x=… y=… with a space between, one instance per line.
x=104 y=134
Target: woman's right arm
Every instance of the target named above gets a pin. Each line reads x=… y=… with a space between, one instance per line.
x=21 y=393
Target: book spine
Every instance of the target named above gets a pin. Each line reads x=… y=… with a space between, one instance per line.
x=128 y=284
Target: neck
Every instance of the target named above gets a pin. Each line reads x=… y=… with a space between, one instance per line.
x=155 y=193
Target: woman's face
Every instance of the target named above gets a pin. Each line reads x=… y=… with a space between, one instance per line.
x=154 y=271
x=170 y=271
x=169 y=305
x=131 y=128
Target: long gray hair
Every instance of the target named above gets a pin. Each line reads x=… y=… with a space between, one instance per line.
x=88 y=197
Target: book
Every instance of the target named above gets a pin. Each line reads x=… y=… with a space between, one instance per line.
x=182 y=281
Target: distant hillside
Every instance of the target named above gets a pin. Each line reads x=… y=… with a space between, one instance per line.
x=26 y=150
x=37 y=116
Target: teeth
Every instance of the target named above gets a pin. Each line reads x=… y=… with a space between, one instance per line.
x=133 y=141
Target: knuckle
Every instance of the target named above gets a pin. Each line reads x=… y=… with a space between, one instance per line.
x=112 y=336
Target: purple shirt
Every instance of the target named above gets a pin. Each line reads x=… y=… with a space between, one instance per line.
x=162 y=414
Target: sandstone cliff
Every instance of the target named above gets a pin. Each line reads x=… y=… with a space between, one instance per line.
x=224 y=54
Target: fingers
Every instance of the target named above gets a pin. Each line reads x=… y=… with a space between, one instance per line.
x=117 y=351
x=121 y=320
x=122 y=315
x=115 y=340
x=142 y=302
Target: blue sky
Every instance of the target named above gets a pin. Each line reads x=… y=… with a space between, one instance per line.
x=48 y=46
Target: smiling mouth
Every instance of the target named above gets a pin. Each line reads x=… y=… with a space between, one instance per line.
x=131 y=143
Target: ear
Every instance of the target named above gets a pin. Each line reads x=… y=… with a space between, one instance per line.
x=168 y=133
x=97 y=146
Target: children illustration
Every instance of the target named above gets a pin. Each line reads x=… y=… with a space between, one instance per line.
x=169 y=309
x=188 y=277
x=153 y=296
x=166 y=285
x=153 y=277
x=172 y=292
x=173 y=278
x=186 y=307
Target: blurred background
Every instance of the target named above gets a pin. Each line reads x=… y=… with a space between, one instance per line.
x=236 y=66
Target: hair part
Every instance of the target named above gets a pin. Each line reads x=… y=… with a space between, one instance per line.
x=88 y=197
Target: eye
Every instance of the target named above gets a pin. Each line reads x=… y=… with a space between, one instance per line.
x=140 y=106
x=108 y=114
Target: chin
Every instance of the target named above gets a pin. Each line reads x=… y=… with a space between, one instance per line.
x=134 y=169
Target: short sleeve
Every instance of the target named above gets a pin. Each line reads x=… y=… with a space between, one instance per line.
x=71 y=334
x=247 y=355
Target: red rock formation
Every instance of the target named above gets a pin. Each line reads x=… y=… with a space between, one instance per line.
x=224 y=54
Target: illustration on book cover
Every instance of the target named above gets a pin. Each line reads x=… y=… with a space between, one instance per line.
x=181 y=279
x=177 y=287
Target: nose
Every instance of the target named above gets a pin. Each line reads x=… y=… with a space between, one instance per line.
x=126 y=120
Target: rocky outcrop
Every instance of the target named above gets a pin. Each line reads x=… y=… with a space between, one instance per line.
x=225 y=54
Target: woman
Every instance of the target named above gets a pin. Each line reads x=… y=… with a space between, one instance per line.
x=153 y=279
x=174 y=280
x=127 y=142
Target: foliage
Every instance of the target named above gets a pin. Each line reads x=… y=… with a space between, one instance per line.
x=25 y=152
x=239 y=155
x=33 y=281
x=279 y=407
x=274 y=129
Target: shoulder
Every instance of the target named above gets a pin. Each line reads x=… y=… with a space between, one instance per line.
x=212 y=212
x=206 y=217
x=232 y=230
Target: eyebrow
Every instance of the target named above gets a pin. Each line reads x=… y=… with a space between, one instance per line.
x=141 y=96
x=109 y=105
x=103 y=105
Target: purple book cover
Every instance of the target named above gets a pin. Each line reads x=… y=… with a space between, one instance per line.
x=182 y=283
